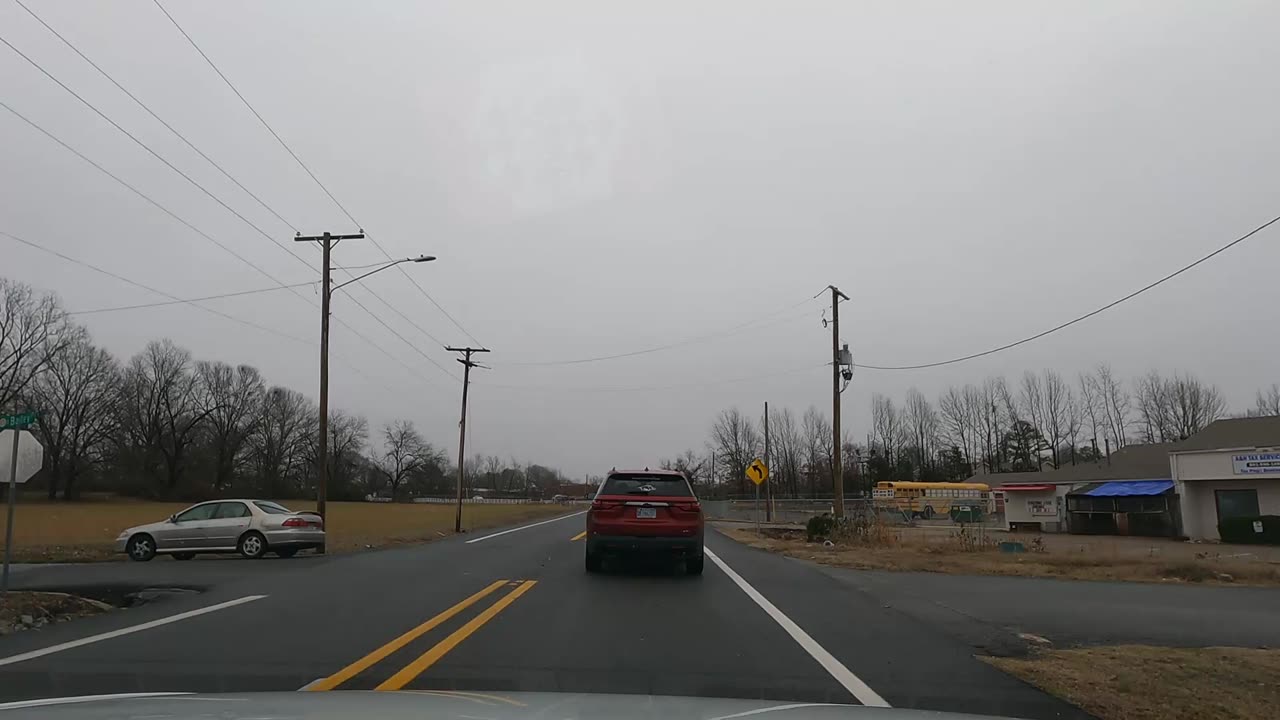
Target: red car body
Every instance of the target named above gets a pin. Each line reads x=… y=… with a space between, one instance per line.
x=652 y=512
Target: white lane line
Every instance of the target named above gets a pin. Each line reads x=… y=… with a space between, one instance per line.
x=84 y=699
x=526 y=527
x=126 y=631
x=842 y=674
x=777 y=708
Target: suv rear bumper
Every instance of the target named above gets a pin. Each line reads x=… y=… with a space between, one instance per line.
x=678 y=547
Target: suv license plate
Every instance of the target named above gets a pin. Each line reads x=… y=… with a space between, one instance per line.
x=646 y=512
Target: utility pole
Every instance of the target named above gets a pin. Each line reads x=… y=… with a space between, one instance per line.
x=327 y=242
x=467 y=364
x=768 y=486
x=711 y=484
x=837 y=471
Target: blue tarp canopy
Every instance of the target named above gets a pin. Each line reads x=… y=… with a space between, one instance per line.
x=1130 y=488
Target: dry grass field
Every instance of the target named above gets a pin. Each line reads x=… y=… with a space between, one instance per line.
x=1135 y=682
x=86 y=531
x=980 y=555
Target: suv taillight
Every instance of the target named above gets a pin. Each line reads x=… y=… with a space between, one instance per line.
x=687 y=506
x=604 y=504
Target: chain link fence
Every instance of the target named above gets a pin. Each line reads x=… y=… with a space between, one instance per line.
x=797 y=511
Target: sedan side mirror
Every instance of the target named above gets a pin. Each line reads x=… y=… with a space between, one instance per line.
x=173 y=518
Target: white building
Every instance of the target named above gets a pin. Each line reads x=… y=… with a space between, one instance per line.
x=1229 y=469
x=1111 y=496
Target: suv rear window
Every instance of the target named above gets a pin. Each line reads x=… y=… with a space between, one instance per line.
x=641 y=484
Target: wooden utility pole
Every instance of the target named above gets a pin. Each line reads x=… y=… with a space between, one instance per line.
x=467 y=364
x=711 y=483
x=768 y=485
x=837 y=461
x=327 y=242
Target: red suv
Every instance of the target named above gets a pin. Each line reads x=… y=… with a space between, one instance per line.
x=645 y=511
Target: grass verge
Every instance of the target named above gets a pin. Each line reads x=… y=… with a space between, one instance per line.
x=1138 y=682
x=965 y=557
x=20 y=610
x=86 y=532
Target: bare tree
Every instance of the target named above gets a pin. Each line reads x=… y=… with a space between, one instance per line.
x=404 y=451
x=281 y=440
x=1176 y=408
x=1155 y=412
x=163 y=410
x=1091 y=408
x=1115 y=404
x=76 y=394
x=1055 y=414
x=958 y=412
x=32 y=331
x=921 y=423
x=1267 y=402
x=992 y=421
x=788 y=452
x=694 y=466
x=493 y=470
x=1192 y=405
x=232 y=400
x=887 y=429
x=737 y=441
x=816 y=432
x=348 y=435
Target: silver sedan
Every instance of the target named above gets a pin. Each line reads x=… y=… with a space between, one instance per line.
x=250 y=527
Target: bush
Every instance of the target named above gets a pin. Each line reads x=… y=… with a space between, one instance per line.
x=1240 y=530
x=819 y=527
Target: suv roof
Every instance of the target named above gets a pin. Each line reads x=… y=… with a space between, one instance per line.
x=646 y=471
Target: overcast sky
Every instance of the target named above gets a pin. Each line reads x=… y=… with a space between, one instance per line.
x=598 y=178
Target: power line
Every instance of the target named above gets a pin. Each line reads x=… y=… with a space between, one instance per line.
x=155 y=154
x=194 y=302
x=188 y=178
x=654 y=388
x=152 y=113
x=178 y=301
x=210 y=160
x=189 y=144
x=313 y=177
x=139 y=193
x=193 y=228
x=768 y=319
x=1087 y=315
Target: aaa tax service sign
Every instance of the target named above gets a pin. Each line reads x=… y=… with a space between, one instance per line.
x=1256 y=464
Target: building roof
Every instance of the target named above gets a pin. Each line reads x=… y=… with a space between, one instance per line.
x=1125 y=488
x=1132 y=462
x=1253 y=432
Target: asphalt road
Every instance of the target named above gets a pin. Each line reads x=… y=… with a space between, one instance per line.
x=516 y=612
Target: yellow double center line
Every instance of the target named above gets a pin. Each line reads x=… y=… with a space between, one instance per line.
x=430 y=657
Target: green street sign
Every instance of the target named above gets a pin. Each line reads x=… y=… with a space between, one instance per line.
x=20 y=420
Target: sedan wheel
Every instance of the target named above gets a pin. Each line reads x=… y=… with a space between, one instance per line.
x=253 y=545
x=141 y=548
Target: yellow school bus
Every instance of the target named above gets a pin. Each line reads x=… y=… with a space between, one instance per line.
x=927 y=499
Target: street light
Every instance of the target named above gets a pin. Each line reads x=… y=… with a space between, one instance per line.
x=419 y=259
x=327 y=242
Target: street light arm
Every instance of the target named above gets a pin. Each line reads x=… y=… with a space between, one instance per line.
x=420 y=258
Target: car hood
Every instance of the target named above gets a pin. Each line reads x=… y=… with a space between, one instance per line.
x=443 y=705
x=149 y=527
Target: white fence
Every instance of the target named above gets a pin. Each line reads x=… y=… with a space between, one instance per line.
x=465 y=500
